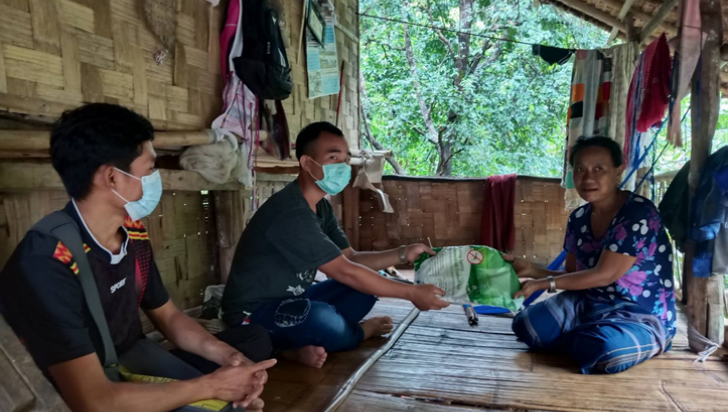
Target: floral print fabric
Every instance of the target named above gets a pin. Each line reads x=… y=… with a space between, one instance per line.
x=637 y=231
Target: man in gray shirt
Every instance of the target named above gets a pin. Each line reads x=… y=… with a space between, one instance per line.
x=294 y=234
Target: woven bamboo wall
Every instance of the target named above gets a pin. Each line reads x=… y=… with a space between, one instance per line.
x=181 y=230
x=448 y=211
x=57 y=54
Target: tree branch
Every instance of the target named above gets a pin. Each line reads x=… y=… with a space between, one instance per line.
x=442 y=38
x=416 y=128
x=364 y=115
x=426 y=114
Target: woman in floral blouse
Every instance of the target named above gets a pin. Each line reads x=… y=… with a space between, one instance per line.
x=618 y=305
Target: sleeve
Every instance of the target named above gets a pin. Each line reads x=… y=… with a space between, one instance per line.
x=635 y=232
x=155 y=295
x=45 y=306
x=570 y=237
x=333 y=230
x=299 y=238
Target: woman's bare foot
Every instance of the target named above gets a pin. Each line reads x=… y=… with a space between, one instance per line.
x=313 y=356
x=377 y=326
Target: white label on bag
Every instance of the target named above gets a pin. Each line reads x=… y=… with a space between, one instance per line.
x=449 y=271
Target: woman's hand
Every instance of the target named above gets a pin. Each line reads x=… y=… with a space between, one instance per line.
x=523 y=268
x=531 y=287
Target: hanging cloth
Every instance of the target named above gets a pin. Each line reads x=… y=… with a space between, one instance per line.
x=552 y=55
x=589 y=111
x=655 y=84
x=623 y=66
x=231 y=41
x=498 y=228
x=690 y=42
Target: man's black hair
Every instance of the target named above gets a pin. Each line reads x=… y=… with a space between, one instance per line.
x=598 y=141
x=94 y=135
x=312 y=132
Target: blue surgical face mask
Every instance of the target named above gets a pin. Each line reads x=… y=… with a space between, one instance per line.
x=151 y=193
x=336 y=177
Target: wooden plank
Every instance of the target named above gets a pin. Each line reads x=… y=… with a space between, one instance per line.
x=595 y=13
x=39 y=140
x=20 y=372
x=364 y=401
x=665 y=9
x=705 y=302
x=621 y=17
x=41 y=176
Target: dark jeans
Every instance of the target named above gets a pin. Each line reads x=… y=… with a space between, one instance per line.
x=148 y=358
x=327 y=315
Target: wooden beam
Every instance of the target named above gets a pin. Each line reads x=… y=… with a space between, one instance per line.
x=657 y=19
x=621 y=16
x=22 y=378
x=595 y=13
x=637 y=13
x=24 y=176
x=39 y=140
x=705 y=294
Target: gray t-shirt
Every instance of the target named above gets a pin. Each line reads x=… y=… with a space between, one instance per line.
x=280 y=251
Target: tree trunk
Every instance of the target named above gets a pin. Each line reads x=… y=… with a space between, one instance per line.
x=444 y=164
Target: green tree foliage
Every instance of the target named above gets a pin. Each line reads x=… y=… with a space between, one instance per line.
x=456 y=104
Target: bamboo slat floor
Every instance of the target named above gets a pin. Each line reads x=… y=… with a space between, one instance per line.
x=293 y=387
x=442 y=364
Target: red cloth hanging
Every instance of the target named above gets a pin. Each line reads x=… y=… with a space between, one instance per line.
x=655 y=84
x=498 y=229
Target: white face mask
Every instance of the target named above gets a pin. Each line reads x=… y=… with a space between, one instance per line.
x=151 y=194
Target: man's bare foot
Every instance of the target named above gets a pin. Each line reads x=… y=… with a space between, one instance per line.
x=313 y=356
x=377 y=326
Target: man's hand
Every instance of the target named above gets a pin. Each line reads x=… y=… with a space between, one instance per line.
x=531 y=287
x=425 y=297
x=238 y=359
x=256 y=406
x=523 y=268
x=239 y=384
x=415 y=250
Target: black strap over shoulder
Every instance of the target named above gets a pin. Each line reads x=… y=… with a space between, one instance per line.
x=62 y=227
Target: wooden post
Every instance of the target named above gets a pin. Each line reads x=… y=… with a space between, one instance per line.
x=350 y=211
x=230 y=207
x=705 y=295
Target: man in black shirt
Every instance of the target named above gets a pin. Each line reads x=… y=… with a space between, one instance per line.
x=294 y=234
x=105 y=158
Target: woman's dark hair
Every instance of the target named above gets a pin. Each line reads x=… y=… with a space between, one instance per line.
x=94 y=135
x=597 y=141
x=310 y=133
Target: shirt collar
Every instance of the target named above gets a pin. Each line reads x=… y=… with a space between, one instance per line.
x=115 y=259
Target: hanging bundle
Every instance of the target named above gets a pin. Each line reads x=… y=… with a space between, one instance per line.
x=161 y=17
